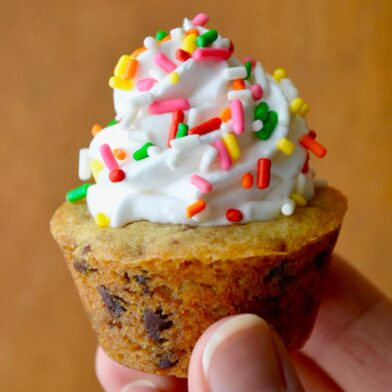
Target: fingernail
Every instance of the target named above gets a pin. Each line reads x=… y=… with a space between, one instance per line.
x=140 y=386
x=241 y=356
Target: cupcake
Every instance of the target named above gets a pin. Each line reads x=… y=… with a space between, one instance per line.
x=198 y=202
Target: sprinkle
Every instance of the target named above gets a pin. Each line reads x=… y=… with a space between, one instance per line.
x=279 y=74
x=248 y=67
x=121 y=66
x=130 y=69
x=95 y=129
x=234 y=73
x=232 y=146
x=261 y=111
x=164 y=63
x=269 y=126
x=141 y=153
x=244 y=95
x=195 y=208
x=120 y=154
x=77 y=193
x=193 y=30
x=257 y=125
x=257 y=91
x=238 y=84
x=174 y=77
x=304 y=109
x=138 y=51
x=168 y=105
x=111 y=123
x=263 y=173
x=189 y=43
x=184 y=143
x=312 y=134
x=153 y=151
x=207 y=38
x=96 y=167
x=182 y=55
x=207 y=159
x=288 y=208
x=116 y=175
x=84 y=165
x=285 y=145
x=226 y=114
x=312 y=145
x=150 y=43
x=200 y=19
x=211 y=54
x=234 y=215
x=108 y=157
x=206 y=127
x=237 y=116
x=231 y=46
x=223 y=155
x=200 y=183
x=121 y=84
x=102 y=220
x=160 y=35
x=182 y=130
x=177 y=118
x=145 y=84
x=298 y=199
x=305 y=167
x=247 y=180
x=251 y=60
x=298 y=106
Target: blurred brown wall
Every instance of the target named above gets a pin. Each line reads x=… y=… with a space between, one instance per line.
x=55 y=63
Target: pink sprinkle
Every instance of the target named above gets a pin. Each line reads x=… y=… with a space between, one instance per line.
x=163 y=61
x=257 y=91
x=223 y=155
x=168 y=106
x=108 y=157
x=237 y=116
x=201 y=183
x=200 y=19
x=212 y=54
x=145 y=84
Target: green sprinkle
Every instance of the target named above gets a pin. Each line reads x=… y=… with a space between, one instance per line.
x=78 y=193
x=248 y=66
x=269 y=126
x=141 y=153
x=182 y=130
x=113 y=122
x=160 y=35
x=261 y=111
x=207 y=38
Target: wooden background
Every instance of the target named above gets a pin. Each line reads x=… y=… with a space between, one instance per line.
x=56 y=58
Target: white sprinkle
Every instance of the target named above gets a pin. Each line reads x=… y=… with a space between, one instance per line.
x=257 y=125
x=234 y=73
x=289 y=89
x=320 y=183
x=288 y=208
x=193 y=117
x=300 y=184
x=150 y=43
x=153 y=151
x=225 y=42
x=261 y=77
x=207 y=159
x=187 y=24
x=84 y=165
x=184 y=143
x=173 y=161
x=177 y=32
x=226 y=127
x=244 y=95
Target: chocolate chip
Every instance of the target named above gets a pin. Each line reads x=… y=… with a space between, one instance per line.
x=321 y=259
x=83 y=267
x=166 y=362
x=155 y=322
x=114 y=304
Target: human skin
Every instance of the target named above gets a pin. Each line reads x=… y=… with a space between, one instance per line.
x=350 y=349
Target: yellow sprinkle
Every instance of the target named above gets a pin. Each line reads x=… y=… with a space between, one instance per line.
x=279 y=74
x=304 y=110
x=232 y=146
x=174 y=77
x=102 y=220
x=122 y=63
x=285 y=145
x=189 y=43
x=296 y=105
x=298 y=199
x=96 y=167
x=115 y=82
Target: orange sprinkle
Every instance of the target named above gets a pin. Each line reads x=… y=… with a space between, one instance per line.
x=136 y=52
x=195 y=208
x=238 y=84
x=226 y=114
x=119 y=153
x=167 y=38
x=247 y=180
x=131 y=69
x=192 y=31
x=95 y=129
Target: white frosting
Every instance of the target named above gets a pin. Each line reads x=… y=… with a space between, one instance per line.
x=158 y=188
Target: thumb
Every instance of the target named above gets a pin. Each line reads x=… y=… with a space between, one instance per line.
x=241 y=353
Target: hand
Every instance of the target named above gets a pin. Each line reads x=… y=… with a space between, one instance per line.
x=350 y=349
